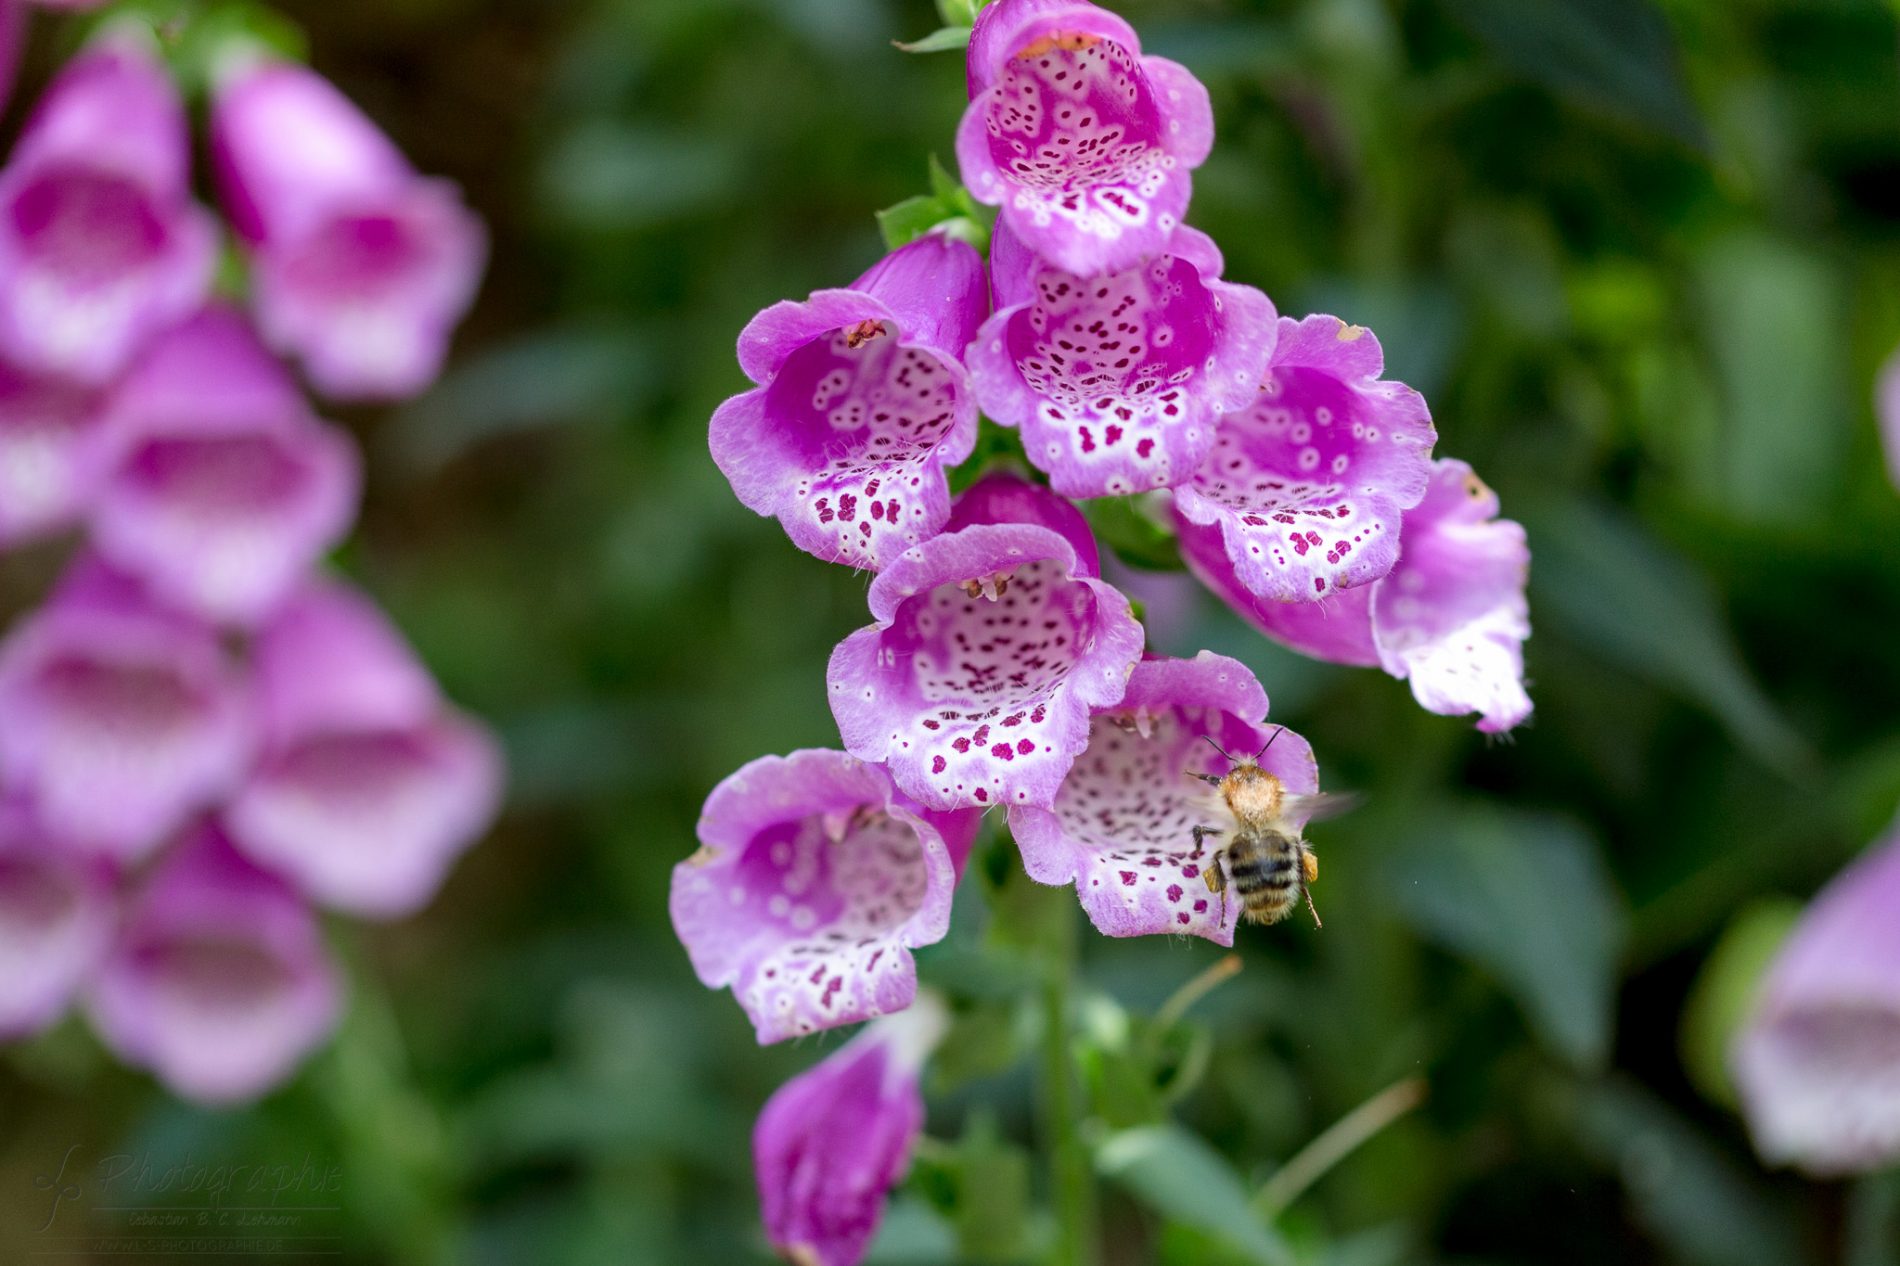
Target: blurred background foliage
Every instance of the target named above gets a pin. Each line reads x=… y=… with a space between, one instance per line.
x=1642 y=256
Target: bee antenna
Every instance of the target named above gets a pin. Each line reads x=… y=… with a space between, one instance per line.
x=1217 y=747
x=1269 y=743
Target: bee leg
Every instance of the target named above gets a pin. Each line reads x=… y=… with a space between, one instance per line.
x=1308 y=894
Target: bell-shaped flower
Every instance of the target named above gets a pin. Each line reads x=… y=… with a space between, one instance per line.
x=218 y=486
x=1084 y=143
x=56 y=918
x=1123 y=827
x=1818 y=1060
x=814 y=880
x=1308 y=483
x=1450 y=617
x=101 y=245
x=361 y=267
x=833 y=1141
x=368 y=785
x=118 y=717
x=993 y=644
x=49 y=431
x=862 y=405
x=1119 y=383
x=219 y=982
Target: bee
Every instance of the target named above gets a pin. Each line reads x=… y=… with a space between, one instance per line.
x=1266 y=859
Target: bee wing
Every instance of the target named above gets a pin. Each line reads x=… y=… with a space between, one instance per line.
x=1321 y=805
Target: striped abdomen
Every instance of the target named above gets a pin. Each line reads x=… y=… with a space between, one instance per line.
x=1265 y=870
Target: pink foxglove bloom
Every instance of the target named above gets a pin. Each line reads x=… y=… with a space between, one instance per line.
x=992 y=646
x=833 y=1141
x=1122 y=828
x=362 y=267
x=219 y=487
x=1818 y=1061
x=1450 y=618
x=101 y=245
x=1308 y=483
x=862 y=405
x=48 y=452
x=1119 y=383
x=369 y=785
x=56 y=918
x=219 y=982
x=1084 y=143
x=1887 y=406
x=118 y=717
x=814 y=881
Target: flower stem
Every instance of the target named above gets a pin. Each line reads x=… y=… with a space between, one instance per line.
x=1340 y=1140
x=1071 y=1173
x=1194 y=990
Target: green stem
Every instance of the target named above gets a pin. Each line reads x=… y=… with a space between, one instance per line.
x=1344 y=1137
x=1071 y=1173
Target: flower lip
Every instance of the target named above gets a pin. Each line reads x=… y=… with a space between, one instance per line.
x=815 y=880
x=56 y=916
x=1308 y=483
x=1118 y=383
x=48 y=451
x=1121 y=830
x=975 y=683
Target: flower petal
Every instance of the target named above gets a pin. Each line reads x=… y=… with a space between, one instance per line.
x=56 y=916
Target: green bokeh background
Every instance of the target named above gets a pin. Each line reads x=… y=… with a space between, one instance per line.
x=1644 y=260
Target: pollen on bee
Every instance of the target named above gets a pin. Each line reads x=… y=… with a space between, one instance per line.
x=1309 y=866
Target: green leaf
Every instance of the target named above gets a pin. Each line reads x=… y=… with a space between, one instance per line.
x=1123 y=524
x=1725 y=991
x=1180 y=1177
x=1691 y=1195
x=958 y=12
x=909 y=220
x=1525 y=897
x=1617 y=591
x=1618 y=56
x=943 y=40
x=948 y=206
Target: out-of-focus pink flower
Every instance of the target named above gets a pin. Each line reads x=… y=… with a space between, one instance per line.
x=48 y=452
x=1122 y=827
x=834 y=1140
x=219 y=982
x=862 y=405
x=1818 y=1061
x=369 y=785
x=1450 y=617
x=1118 y=383
x=118 y=717
x=1084 y=143
x=56 y=917
x=100 y=243
x=362 y=267
x=218 y=486
x=814 y=881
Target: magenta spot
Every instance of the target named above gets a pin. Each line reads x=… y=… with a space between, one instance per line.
x=1128 y=878
x=981 y=794
x=1174 y=892
x=1024 y=747
x=1182 y=917
x=1200 y=907
x=1003 y=751
x=1190 y=872
x=938 y=765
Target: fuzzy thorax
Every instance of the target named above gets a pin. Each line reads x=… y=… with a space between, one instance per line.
x=1253 y=794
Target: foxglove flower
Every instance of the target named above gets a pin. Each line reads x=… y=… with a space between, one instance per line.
x=1122 y=827
x=48 y=446
x=1084 y=143
x=1450 y=617
x=100 y=243
x=1119 y=382
x=862 y=405
x=362 y=267
x=118 y=717
x=834 y=1140
x=56 y=915
x=992 y=645
x=218 y=487
x=1818 y=1061
x=814 y=880
x=1308 y=483
x=369 y=786
x=219 y=982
